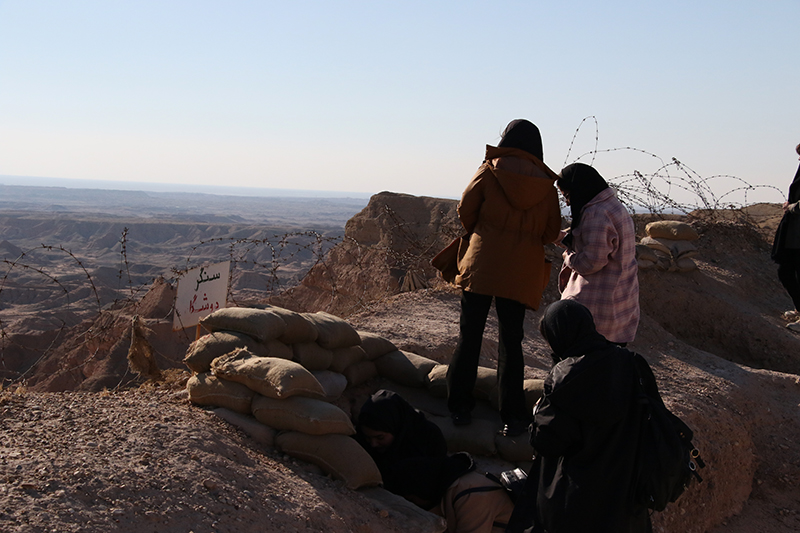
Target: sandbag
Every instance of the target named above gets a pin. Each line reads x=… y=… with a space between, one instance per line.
x=206 y=389
x=360 y=372
x=312 y=356
x=685 y=264
x=436 y=381
x=332 y=331
x=306 y=415
x=374 y=345
x=485 y=383
x=276 y=348
x=298 y=329
x=683 y=249
x=514 y=449
x=340 y=456
x=268 y=376
x=675 y=248
x=533 y=390
x=246 y=422
x=476 y=438
x=345 y=357
x=645 y=253
x=212 y=345
x=656 y=244
x=665 y=261
x=332 y=383
x=672 y=229
x=644 y=264
x=405 y=368
x=260 y=324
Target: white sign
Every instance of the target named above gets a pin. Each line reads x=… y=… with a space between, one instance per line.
x=201 y=291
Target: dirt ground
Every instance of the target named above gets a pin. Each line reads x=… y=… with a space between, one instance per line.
x=144 y=459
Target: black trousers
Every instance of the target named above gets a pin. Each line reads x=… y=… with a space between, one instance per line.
x=463 y=370
x=789 y=275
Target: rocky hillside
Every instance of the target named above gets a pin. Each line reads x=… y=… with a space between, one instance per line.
x=386 y=250
x=714 y=336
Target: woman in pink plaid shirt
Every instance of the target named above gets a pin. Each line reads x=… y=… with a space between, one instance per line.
x=600 y=269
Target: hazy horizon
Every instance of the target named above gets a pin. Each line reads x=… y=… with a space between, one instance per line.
x=401 y=97
x=220 y=190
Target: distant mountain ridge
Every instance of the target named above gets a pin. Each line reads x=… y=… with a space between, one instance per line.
x=302 y=212
x=227 y=189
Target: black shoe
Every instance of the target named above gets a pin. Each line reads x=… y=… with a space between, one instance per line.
x=514 y=428
x=462 y=418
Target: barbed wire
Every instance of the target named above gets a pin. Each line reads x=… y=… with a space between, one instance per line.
x=673 y=187
x=283 y=251
x=84 y=321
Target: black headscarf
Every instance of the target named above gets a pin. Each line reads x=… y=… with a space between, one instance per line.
x=583 y=183
x=568 y=327
x=523 y=134
x=794 y=188
x=414 y=435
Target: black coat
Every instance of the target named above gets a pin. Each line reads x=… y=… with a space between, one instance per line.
x=786 y=244
x=415 y=437
x=585 y=430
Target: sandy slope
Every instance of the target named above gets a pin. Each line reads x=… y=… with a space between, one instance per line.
x=145 y=460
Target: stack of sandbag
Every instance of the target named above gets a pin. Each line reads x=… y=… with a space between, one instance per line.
x=285 y=369
x=668 y=246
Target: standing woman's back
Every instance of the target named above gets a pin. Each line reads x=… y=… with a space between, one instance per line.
x=510 y=208
x=510 y=211
x=600 y=269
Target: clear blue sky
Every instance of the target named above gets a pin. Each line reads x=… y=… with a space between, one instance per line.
x=402 y=96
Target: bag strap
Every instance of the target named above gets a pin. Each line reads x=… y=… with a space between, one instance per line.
x=648 y=392
x=475 y=489
x=493 y=478
x=486 y=488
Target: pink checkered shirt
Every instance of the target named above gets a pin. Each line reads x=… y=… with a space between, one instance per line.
x=600 y=271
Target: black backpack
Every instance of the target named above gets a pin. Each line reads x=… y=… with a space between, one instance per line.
x=666 y=460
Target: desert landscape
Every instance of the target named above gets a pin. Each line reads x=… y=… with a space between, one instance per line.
x=90 y=445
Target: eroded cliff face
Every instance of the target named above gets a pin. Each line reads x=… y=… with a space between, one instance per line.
x=92 y=356
x=387 y=249
x=730 y=305
x=78 y=341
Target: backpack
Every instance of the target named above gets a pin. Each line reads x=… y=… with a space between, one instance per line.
x=666 y=460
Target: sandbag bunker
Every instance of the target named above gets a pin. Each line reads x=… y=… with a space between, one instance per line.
x=668 y=246
x=284 y=375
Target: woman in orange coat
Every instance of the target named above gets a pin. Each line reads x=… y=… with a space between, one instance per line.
x=510 y=210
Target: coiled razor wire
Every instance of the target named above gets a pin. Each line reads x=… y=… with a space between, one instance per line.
x=408 y=249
